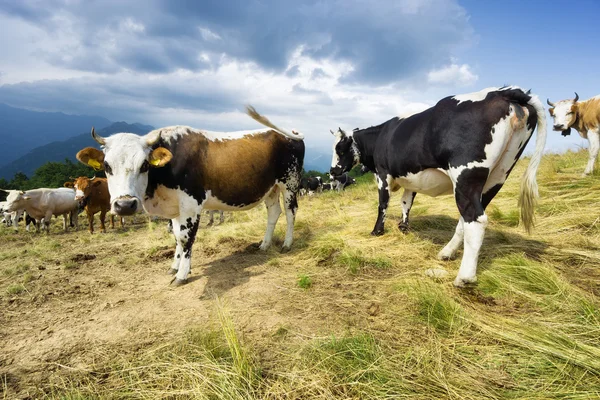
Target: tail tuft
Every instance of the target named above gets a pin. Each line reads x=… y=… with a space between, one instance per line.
x=251 y=111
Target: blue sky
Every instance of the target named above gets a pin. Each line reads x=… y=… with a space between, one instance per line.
x=308 y=65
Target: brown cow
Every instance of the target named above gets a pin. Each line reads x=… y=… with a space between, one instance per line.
x=93 y=194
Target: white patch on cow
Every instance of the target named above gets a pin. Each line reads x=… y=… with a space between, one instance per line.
x=432 y=182
x=335 y=158
x=481 y=95
x=79 y=193
x=171 y=133
x=164 y=203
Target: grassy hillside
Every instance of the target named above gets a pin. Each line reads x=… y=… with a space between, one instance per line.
x=344 y=315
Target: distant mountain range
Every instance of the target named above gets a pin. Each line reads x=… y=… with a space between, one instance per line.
x=23 y=130
x=31 y=138
x=58 y=151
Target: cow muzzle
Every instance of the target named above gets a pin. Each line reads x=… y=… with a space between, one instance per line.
x=125 y=205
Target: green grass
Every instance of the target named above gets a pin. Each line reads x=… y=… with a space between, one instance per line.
x=304 y=281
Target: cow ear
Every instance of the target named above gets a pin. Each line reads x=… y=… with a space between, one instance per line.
x=92 y=157
x=551 y=111
x=26 y=197
x=69 y=185
x=96 y=183
x=160 y=157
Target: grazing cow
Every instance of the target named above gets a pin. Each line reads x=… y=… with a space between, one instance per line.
x=466 y=145
x=583 y=116
x=327 y=186
x=43 y=204
x=93 y=195
x=176 y=172
x=342 y=181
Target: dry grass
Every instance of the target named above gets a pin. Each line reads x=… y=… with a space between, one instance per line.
x=344 y=315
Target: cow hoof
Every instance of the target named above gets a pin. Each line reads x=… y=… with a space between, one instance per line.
x=377 y=233
x=443 y=256
x=264 y=247
x=462 y=282
x=403 y=226
x=172 y=271
x=286 y=249
x=178 y=282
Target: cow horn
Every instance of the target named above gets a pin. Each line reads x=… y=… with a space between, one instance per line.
x=576 y=98
x=551 y=104
x=152 y=138
x=332 y=132
x=92 y=178
x=98 y=138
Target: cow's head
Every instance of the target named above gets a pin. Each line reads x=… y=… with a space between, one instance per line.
x=16 y=200
x=83 y=188
x=345 y=153
x=564 y=114
x=126 y=160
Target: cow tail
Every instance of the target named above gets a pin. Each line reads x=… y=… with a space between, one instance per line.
x=265 y=121
x=529 y=188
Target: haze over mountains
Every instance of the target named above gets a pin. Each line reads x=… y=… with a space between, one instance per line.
x=31 y=138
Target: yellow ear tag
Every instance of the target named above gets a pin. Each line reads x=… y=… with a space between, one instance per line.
x=155 y=162
x=95 y=164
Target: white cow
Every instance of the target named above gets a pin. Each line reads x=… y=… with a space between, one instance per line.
x=43 y=204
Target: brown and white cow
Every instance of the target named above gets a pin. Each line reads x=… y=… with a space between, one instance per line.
x=94 y=196
x=177 y=171
x=583 y=116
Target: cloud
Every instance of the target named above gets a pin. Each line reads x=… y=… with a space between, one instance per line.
x=391 y=41
x=453 y=74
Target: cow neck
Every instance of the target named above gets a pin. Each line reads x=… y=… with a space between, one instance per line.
x=365 y=141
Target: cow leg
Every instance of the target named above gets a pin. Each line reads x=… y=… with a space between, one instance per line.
x=74 y=216
x=185 y=228
x=449 y=251
x=468 y=188
x=290 y=203
x=384 y=198
x=102 y=221
x=211 y=216
x=273 y=213
x=594 y=138
x=221 y=217
x=407 y=201
x=122 y=219
x=112 y=221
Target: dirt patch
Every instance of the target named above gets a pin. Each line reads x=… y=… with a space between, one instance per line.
x=83 y=257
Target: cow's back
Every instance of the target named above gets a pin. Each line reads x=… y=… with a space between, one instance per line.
x=57 y=201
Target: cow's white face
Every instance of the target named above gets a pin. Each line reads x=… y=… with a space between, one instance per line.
x=126 y=160
x=16 y=200
x=564 y=114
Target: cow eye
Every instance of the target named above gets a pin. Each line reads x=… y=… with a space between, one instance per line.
x=107 y=168
x=145 y=167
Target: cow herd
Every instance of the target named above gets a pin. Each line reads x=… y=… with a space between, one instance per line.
x=465 y=145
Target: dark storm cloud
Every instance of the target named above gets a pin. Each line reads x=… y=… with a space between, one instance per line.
x=385 y=40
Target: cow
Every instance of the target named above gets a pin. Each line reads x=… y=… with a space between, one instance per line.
x=583 y=116
x=342 y=181
x=176 y=172
x=327 y=186
x=465 y=145
x=93 y=195
x=42 y=204
x=311 y=185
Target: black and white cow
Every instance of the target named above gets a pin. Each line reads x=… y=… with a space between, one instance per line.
x=177 y=171
x=342 y=181
x=311 y=185
x=465 y=145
